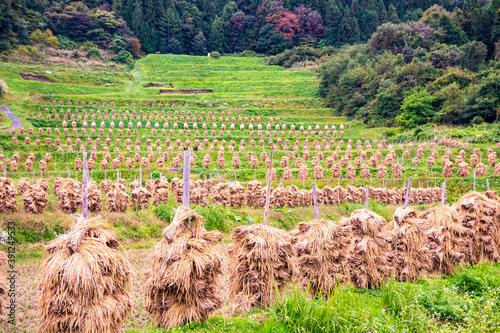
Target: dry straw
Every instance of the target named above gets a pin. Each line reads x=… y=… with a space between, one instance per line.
x=482 y=216
x=449 y=241
x=322 y=248
x=370 y=254
x=8 y=194
x=261 y=260
x=412 y=256
x=85 y=281
x=182 y=282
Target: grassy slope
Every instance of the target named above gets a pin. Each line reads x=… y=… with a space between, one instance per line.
x=249 y=85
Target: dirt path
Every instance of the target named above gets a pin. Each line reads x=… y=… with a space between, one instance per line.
x=16 y=123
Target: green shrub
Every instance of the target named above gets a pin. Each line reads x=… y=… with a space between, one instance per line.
x=214 y=54
x=94 y=53
x=66 y=43
x=87 y=46
x=165 y=212
x=124 y=57
x=215 y=217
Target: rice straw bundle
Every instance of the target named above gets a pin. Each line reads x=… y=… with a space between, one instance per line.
x=463 y=170
x=336 y=170
x=449 y=241
x=85 y=281
x=139 y=199
x=160 y=191
x=35 y=199
x=94 y=199
x=318 y=172
x=365 y=171
x=70 y=196
x=412 y=257
x=220 y=195
x=260 y=262
x=44 y=185
x=221 y=163
x=237 y=195
x=134 y=184
x=255 y=194
x=350 y=172
x=279 y=197
x=182 y=282
x=370 y=254
x=307 y=198
x=8 y=196
x=481 y=170
x=236 y=161
x=447 y=169
x=199 y=196
x=321 y=248
x=117 y=200
x=22 y=185
x=474 y=160
x=303 y=172
x=482 y=216
x=294 y=196
x=106 y=186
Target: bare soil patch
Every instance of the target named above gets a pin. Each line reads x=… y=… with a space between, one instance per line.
x=39 y=78
x=159 y=85
x=187 y=91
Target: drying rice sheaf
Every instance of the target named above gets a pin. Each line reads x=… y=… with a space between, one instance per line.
x=85 y=283
x=35 y=199
x=481 y=215
x=370 y=253
x=8 y=194
x=412 y=257
x=322 y=248
x=261 y=261
x=182 y=282
x=449 y=241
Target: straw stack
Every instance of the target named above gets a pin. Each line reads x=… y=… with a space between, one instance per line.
x=412 y=256
x=449 y=241
x=370 y=253
x=321 y=248
x=182 y=282
x=8 y=196
x=85 y=283
x=261 y=262
x=482 y=216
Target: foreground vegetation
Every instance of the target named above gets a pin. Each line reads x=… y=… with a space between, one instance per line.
x=467 y=301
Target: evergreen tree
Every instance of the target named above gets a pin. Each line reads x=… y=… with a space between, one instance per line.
x=333 y=17
x=173 y=46
x=217 y=41
x=454 y=35
x=392 y=14
x=349 y=29
x=199 y=44
x=169 y=25
x=382 y=11
x=495 y=29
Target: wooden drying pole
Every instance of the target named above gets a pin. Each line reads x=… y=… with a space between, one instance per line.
x=185 y=178
x=366 y=197
x=85 y=207
x=268 y=189
x=315 y=200
x=474 y=186
x=443 y=193
x=407 y=198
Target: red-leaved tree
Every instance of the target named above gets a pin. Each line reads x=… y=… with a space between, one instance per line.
x=286 y=24
x=135 y=47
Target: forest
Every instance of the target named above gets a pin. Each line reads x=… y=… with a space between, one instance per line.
x=199 y=26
